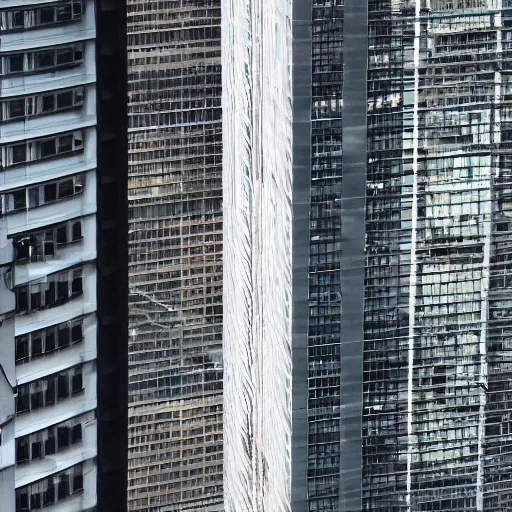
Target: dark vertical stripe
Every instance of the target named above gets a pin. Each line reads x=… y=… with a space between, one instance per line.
x=355 y=50
x=301 y=87
x=112 y=260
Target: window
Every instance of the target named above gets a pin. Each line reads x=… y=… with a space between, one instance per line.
x=44 y=341
x=43 y=244
x=42 y=149
x=44 y=60
x=50 y=490
x=47 y=391
x=41 y=104
x=50 y=192
x=34 y=16
x=40 y=195
x=55 y=290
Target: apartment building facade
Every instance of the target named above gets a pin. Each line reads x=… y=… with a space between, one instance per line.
x=49 y=238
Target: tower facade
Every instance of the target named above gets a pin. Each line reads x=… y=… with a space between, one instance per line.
x=48 y=248
x=367 y=229
x=175 y=256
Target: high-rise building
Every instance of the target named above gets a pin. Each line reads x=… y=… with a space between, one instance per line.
x=62 y=348
x=175 y=256
x=368 y=233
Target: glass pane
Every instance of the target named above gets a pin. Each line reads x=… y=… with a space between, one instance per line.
x=17 y=108
x=65 y=99
x=19 y=153
x=16 y=63
x=46 y=59
x=47 y=14
x=50 y=192
x=48 y=103
x=33 y=197
x=65 y=56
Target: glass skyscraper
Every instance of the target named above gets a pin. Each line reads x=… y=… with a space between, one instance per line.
x=367 y=218
x=175 y=256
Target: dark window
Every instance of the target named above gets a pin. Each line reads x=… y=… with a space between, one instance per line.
x=48 y=148
x=50 y=294
x=65 y=99
x=62 y=234
x=21 y=347
x=63 y=336
x=65 y=56
x=23 y=500
x=19 y=198
x=33 y=197
x=37 y=344
x=35 y=300
x=35 y=501
x=45 y=59
x=77 y=383
x=49 y=248
x=17 y=108
x=22 y=298
x=62 y=290
x=78 y=483
x=22 y=400
x=22 y=249
x=49 y=495
x=76 y=434
x=36 y=400
x=63 y=389
x=65 y=144
x=50 y=392
x=48 y=103
x=78 y=54
x=77 y=230
x=62 y=437
x=47 y=14
x=76 y=332
x=76 y=284
x=37 y=450
x=64 y=13
x=50 y=192
x=22 y=450
x=19 y=153
x=17 y=19
x=65 y=188
x=50 y=340
x=77 y=8
x=49 y=444
x=16 y=63
x=63 y=487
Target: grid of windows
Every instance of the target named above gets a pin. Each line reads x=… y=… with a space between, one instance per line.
x=43 y=245
x=175 y=245
x=42 y=60
x=51 y=490
x=31 y=151
x=48 y=391
x=35 y=105
x=40 y=16
x=324 y=257
x=23 y=199
x=45 y=341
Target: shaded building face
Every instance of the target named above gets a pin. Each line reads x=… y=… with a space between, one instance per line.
x=175 y=254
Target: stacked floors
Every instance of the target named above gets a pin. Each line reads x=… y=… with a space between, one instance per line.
x=175 y=256
x=437 y=318
x=47 y=255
